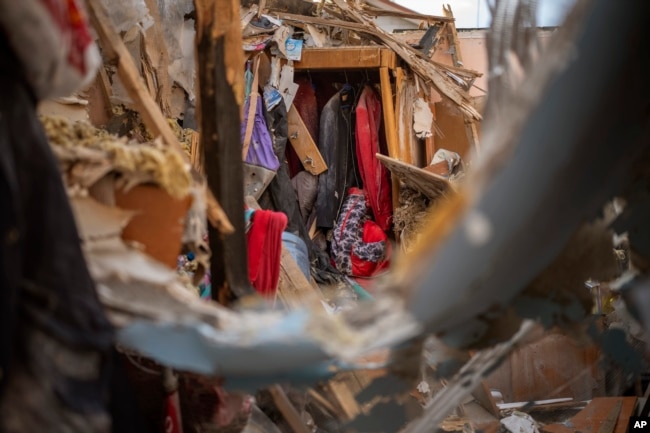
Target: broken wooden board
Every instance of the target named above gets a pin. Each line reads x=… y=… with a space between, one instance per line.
x=304 y=145
x=294 y=290
x=429 y=184
x=390 y=128
x=344 y=397
x=484 y=398
x=595 y=415
x=288 y=410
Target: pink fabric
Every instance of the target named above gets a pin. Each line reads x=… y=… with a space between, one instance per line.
x=373 y=174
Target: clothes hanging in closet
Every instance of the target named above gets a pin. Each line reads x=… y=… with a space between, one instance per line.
x=336 y=144
x=374 y=175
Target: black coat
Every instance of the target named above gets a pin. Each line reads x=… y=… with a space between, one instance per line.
x=44 y=281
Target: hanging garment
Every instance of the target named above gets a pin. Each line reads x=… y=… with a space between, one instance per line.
x=306 y=186
x=54 y=336
x=281 y=196
x=260 y=150
x=336 y=144
x=265 y=250
x=359 y=245
x=374 y=175
x=257 y=145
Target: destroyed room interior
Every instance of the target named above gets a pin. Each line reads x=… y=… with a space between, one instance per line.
x=324 y=216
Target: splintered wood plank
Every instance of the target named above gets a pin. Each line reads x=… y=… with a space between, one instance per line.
x=430 y=141
x=304 y=145
x=484 y=397
x=221 y=96
x=293 y=288
x=344 y=398
x=287 y=410
x=597 y=414
x=392 y=140
x=429 y=184
x=341 y=58
x=388 y=108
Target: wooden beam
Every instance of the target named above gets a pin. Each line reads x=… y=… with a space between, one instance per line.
x=409 y=15
x=294 y=289
x=483 y=395
x=344 y=398
x=343 y=58
x=221 y=93
x=388 y=59
x=322 y=401
x=430 y=141
x=472 y=135
x=287 y=410
x=303 y=143
x=388 y=109
x=399 y=112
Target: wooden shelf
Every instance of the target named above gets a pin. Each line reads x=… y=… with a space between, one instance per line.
x=346 y=58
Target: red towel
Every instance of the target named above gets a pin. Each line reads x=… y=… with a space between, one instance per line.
x=265 y=250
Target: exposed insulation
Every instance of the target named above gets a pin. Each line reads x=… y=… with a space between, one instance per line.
x=162 y=165
x=411 y=216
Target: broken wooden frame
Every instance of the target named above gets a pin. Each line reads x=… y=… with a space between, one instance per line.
x=221 y=83
x=445 y=79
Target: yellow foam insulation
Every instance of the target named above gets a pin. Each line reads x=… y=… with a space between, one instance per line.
x=410 y=217
x=184 y=135
x=163 y=165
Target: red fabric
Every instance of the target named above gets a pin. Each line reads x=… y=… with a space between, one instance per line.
x=69 y=19
x=373 y=174
x=173 y=422
x=265 y=249
x=364 y=268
